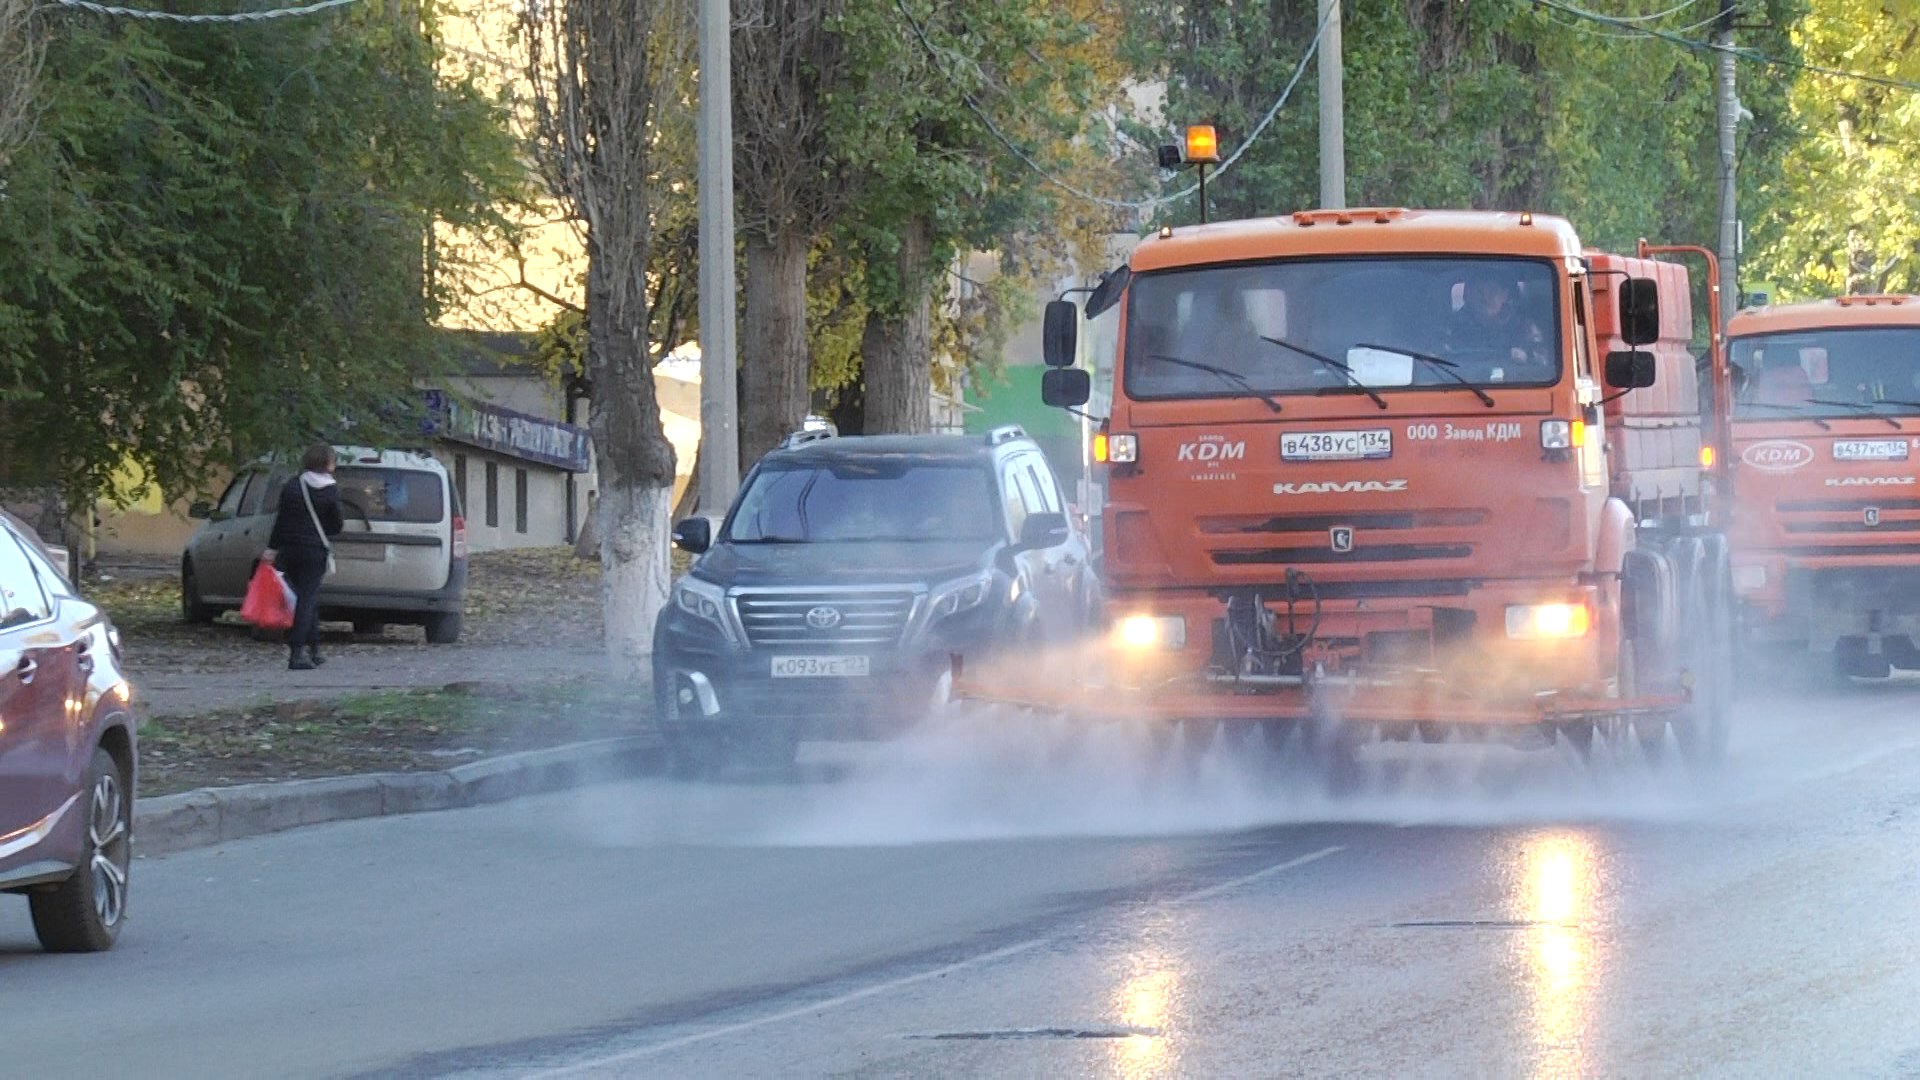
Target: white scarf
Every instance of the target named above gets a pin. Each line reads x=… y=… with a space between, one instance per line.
x=317 y=480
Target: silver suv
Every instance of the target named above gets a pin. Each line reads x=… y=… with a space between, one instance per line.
x=402 y=557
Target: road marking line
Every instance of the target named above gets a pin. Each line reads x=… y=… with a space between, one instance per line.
x=896 y=984
x=1228 y=886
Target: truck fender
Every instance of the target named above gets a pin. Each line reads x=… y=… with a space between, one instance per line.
x=1615 y=539
x=1648 y=610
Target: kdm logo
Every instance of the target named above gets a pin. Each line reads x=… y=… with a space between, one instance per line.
x=1342 y=487
x=1777 y=455
x=1213 y=450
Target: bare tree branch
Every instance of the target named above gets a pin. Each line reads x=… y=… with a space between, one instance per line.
x=21 y=45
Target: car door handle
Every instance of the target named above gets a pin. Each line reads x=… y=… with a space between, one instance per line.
x=29 y=667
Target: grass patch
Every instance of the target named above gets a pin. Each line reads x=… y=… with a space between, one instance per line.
x=387 y=731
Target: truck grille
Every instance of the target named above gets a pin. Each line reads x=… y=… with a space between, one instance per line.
x=815 y=619
x=1859 y=526
x=1378 y=536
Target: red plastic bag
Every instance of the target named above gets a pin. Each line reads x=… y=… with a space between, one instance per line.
x=269 y=602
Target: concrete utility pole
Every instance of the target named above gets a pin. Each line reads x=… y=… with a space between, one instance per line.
x=719 y=405
x=1333 y=111
x=1727 y=102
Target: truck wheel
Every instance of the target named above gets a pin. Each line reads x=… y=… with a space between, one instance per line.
x=1702 y=729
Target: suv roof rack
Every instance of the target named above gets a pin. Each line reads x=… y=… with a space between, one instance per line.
x=812 y=429
x=1005 y=434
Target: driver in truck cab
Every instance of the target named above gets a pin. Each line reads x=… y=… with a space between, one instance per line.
x=1490 y=329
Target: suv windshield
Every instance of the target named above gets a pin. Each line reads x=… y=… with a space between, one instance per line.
x=1342 y=326
x=854 y=502
x=1827 y=373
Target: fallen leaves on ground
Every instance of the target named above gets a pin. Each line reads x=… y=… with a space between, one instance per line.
x=398 y=731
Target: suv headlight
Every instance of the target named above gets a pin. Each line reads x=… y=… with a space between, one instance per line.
x=957 y=596
x=705 y=602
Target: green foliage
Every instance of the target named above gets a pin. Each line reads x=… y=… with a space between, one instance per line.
x=1844 y=210
x=216 y=241
x=1490 y=105
x=940 y=90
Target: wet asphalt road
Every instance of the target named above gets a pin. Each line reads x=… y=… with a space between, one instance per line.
x=1025 y=900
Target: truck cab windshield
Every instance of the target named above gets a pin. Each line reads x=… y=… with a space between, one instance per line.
x=808 y=504
x=1827 y=374
x=1494 y=323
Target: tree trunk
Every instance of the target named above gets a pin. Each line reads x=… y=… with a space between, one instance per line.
x=773 y=344
x=689 y=503
x=896 y=350
x=636 y=469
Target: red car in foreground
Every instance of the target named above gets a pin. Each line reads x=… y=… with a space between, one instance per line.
x=66 y=752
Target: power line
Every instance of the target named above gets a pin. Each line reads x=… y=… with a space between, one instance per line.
x=237 y=17
x=1749 y=55
x=1014 y=148
x=1675 y=10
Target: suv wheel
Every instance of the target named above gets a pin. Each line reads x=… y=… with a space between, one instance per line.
x=443 y=628
x=192 y=608
x=84 y=912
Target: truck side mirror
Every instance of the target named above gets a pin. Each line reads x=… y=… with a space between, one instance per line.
x=1066 y=387
x=1058 y=335
x=1640 y=311
x=693 y=536
x=1630 y=369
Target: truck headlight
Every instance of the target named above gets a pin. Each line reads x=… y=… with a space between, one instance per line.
x=1145 y=632
x=957 y=596
x=1563 y=434
x=1749 y=578
x=705 y=602
x=1548 y=622
x=1117 y=449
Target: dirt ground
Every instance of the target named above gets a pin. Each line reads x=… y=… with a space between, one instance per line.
x=218 y=705
x=382 y=731
x=532 y=616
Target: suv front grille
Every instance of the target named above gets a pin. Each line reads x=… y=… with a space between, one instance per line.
x=802 y=619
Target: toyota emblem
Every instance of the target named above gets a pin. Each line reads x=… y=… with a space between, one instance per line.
x=824 y=618
x=1342 y=537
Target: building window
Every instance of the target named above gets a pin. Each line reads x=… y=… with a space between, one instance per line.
x=493 y=495
x=460 y=481
x=520 y=500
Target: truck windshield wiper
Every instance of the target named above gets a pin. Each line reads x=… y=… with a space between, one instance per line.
x=1786 y=407
x=1861 y=407
x=1446 y=367
x=1225 y=374
x=1331 y=364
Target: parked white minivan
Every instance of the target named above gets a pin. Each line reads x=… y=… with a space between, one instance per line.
x=402 y=557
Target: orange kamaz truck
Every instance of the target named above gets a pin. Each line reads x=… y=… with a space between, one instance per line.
x=1826 y=526
x=1394 y=473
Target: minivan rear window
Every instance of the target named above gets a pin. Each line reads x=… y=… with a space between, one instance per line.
x=411 y=496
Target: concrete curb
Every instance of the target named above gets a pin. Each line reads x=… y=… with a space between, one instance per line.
x=195 y=819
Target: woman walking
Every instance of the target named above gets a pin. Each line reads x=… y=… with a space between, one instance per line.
x=301 y=547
